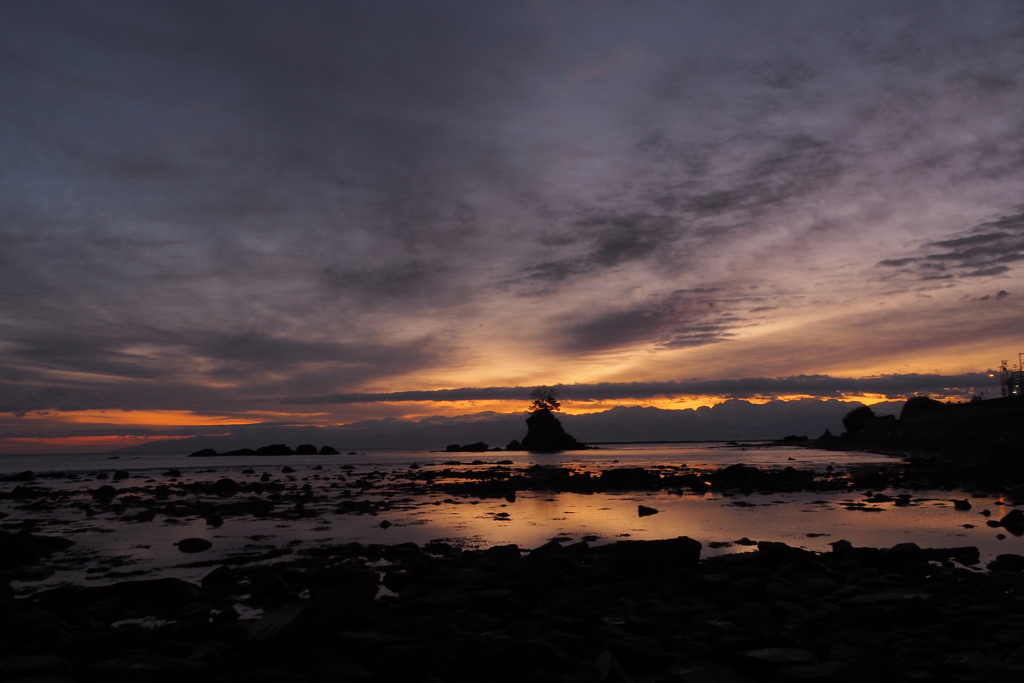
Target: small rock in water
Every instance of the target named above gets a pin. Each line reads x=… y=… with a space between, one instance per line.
x=193 y=545
x=385 y=524
x=644 y=511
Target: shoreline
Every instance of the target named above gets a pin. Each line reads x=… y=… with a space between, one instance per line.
x=630 y=611
x=992 y=464
x=642 y=611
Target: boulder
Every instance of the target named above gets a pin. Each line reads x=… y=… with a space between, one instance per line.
x=675 y=553
x=24 y=548
x=1013 y=522
x=225 y=487
x=644 y=511
x=629 y=478
x=1008 y=562
x=193 y=545
x=328 y=450
x=546 y=434
x=305 y=449
x=104 y=493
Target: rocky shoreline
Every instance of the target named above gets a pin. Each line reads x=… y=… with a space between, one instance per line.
x=626 y=611
x=642 y=611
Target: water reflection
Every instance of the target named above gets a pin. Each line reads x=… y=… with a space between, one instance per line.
x=109 y=547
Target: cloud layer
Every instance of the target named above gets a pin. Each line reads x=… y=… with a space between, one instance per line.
x=205 y=207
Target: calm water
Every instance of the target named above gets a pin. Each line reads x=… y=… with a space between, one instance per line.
x=108 y=548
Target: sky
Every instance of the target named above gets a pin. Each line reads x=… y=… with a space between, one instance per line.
x=314 y=213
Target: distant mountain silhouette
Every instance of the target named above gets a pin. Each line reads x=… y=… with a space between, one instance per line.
x=731 y=420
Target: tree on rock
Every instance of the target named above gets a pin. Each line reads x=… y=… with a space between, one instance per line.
x=544 y=399
x=544 y=431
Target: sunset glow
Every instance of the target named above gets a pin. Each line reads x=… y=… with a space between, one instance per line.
x=243 y=216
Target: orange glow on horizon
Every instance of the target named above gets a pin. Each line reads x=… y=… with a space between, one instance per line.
x=161 y=418
x=418 y=410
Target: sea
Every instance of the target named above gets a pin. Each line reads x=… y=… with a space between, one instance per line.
x=113 y=544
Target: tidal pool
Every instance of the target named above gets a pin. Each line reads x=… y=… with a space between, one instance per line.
x=112 y=545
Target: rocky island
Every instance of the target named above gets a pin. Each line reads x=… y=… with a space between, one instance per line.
x=545 y=433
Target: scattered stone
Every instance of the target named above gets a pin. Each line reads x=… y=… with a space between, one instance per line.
x=104 y=493
x=1007 y=563
x=27 y=475
x=1013 y=522
x=225 y=487
x=644 y=511
x=193 y=545
x=17 y=549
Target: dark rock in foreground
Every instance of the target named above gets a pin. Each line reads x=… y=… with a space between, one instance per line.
x=24 y=548
x=193 y=545
x=644 y=611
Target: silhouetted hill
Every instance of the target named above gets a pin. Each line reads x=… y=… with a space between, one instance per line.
x=731 y=420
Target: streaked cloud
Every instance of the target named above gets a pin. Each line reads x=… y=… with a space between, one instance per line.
x=205 y=205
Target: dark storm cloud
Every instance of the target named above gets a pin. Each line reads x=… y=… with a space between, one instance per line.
x=600 y=241
x=619 y=239
x=820 y=386
x=987 y=250
x=244 y=352
x=684 y=319
x=311 y=197
x=783 y=168
x=146 y=369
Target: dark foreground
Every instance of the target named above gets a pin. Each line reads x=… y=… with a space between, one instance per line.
x=628 y=611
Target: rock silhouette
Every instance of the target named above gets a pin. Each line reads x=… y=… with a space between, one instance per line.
x=545 y=433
